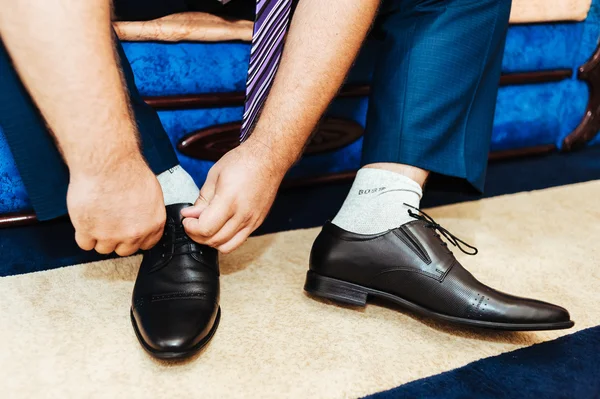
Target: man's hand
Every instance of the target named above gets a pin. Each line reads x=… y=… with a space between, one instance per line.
x=241 y=187
x=122 y=210
x=236 y=197
x=71 y=71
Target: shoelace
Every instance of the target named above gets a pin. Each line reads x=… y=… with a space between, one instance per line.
x=432 y=224
x=179 y=239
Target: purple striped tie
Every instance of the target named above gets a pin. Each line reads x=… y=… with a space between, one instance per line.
x=272 y=18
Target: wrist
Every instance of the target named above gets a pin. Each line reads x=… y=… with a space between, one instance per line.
x=94 y=162
x=280 y=156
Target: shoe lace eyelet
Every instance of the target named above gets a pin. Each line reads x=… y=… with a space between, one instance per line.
x=440 y=231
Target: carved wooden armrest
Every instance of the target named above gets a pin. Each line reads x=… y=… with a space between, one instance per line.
x=198 y=26
x=188 y=26
x=529 y=11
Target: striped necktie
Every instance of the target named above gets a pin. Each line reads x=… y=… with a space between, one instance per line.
x=270 y=27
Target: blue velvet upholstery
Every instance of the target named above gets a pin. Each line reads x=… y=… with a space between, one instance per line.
x=13 y=197
x=193 y=68
x=541 y=47
x=537 y=114
x=163 y=69
x=526 y=115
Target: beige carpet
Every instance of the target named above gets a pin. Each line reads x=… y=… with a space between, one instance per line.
x=66 y=333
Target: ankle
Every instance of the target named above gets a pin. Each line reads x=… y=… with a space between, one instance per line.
x=415 y=174
x=376 y=202
x=178 y=186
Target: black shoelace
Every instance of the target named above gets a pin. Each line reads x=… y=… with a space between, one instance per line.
x=179 y=239
x=432 y=224
x=176 y=238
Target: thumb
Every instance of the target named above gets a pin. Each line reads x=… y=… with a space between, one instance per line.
x=207 y=192
x=195 y=210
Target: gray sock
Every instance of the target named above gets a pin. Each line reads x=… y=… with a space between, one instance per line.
x=376 y=202
x=178 y=187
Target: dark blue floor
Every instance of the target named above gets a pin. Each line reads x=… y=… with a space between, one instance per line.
x=44 y=246
x=51 y=244
x=568 y=368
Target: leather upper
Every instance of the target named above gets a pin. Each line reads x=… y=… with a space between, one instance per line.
x=413 y=262
x=176 y=294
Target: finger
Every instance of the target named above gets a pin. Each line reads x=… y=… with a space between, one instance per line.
x=105 y=247
x=151 y=240
x=227 y=232
x=196 y=210
x=126 y=249
x=236 y=241
x=207 y=193
x=212 y=219
x=84 y=241
x=208 y=189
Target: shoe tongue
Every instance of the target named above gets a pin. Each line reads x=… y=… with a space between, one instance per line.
x=174 y=212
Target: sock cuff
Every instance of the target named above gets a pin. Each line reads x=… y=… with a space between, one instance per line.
x=175 y=169
x=386 y=177
x=177 y=186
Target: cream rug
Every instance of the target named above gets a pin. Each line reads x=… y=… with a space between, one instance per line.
x=66 y=333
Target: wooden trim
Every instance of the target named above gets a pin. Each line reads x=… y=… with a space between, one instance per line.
x=521 y=152
x=211 y=143
x=215 y=141
x=236 y=99
x=17 y=219
x=208 y=100
x=233 y=99
x=590 y=124
x=535 y=77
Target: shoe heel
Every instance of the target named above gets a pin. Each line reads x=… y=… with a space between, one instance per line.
x=337 y=290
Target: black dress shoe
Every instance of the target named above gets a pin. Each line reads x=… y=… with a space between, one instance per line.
x=413 y=267
x=175 y=309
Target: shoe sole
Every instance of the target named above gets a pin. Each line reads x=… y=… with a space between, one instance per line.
x=176 y=355
x=357 y=295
